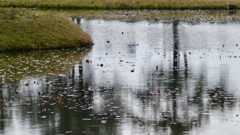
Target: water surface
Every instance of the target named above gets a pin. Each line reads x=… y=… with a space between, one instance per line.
x=140 y=78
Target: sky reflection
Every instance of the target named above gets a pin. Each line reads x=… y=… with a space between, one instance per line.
x=139 y=78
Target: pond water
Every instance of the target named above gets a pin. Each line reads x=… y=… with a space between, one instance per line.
x=139 y=78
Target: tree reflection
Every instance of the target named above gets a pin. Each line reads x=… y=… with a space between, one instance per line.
x=175 y=91
x=218 y=95
x=1 y=106
x=175 y=46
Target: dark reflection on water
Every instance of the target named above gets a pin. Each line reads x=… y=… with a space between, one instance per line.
x=139 y=78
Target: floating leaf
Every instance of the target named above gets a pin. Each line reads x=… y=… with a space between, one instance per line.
x=212 y=95
x=158 y=91
x=27 y=84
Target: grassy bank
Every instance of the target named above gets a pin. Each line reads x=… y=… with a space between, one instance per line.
x=25 y=29
x=121 y=4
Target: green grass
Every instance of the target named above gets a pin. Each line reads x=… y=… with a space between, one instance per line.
x=26 y=29
x=120 y=4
